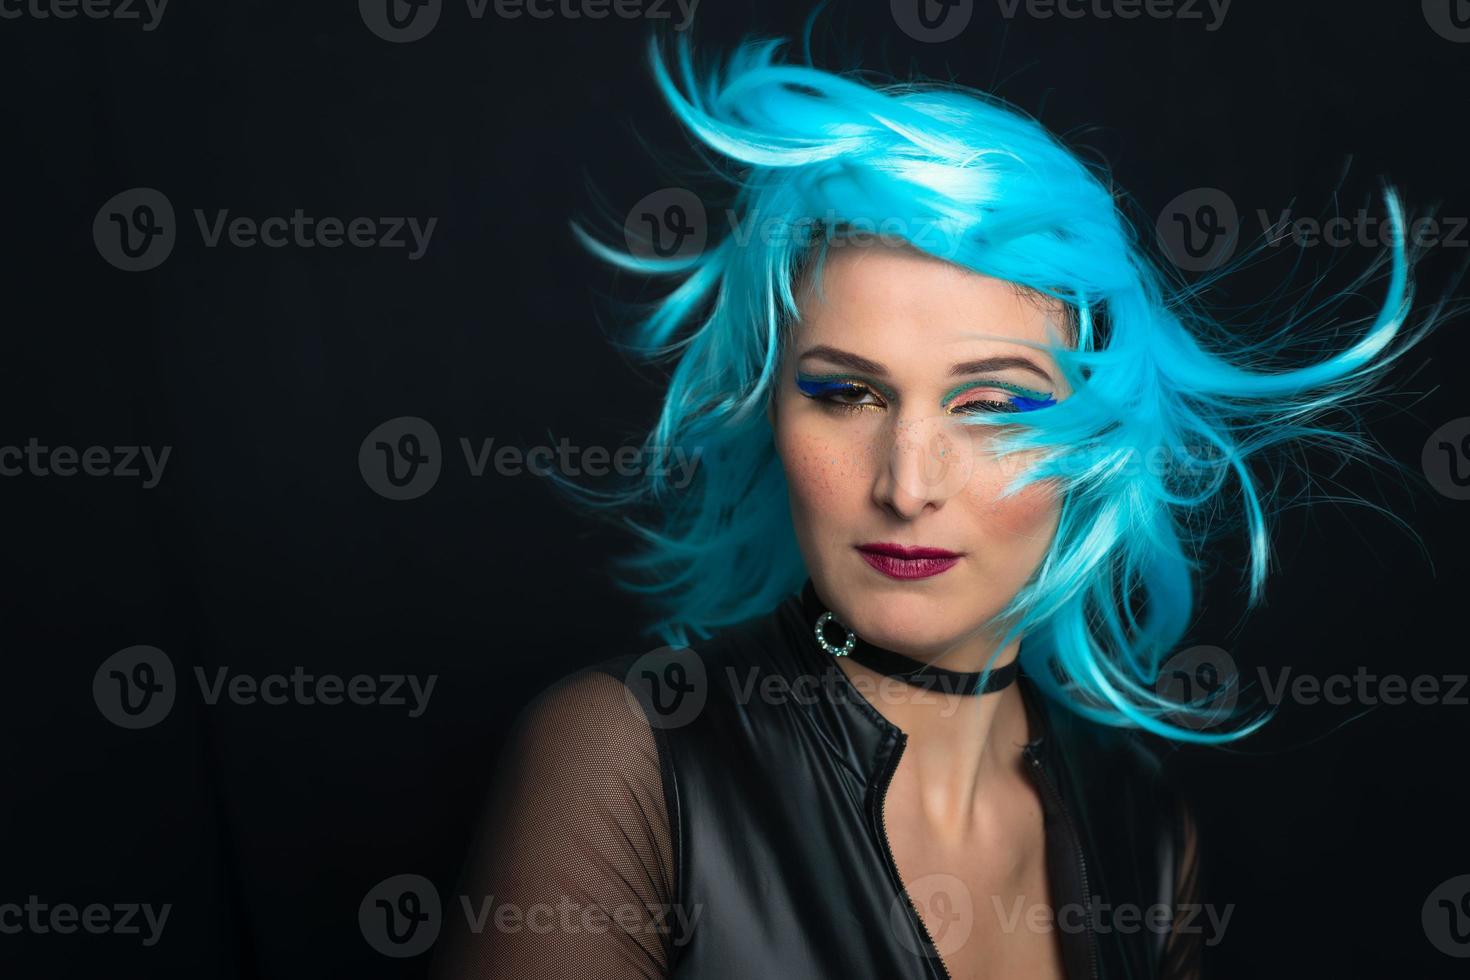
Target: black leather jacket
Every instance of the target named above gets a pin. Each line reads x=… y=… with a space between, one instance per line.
x=751 y=826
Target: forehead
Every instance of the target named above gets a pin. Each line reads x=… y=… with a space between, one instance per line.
x=896 y=300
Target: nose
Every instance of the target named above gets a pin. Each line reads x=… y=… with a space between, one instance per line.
x=921 y=464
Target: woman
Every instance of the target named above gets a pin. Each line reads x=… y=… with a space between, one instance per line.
x=961 y=446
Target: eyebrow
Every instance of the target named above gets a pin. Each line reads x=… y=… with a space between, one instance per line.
x=980 y=366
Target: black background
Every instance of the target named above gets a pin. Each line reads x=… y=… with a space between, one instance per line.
x=263 y=548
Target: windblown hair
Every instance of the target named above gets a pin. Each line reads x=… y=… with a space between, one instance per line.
x=966 y=178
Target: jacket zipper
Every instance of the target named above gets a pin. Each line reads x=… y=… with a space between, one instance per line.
x=1056 y=798
x=893 y=865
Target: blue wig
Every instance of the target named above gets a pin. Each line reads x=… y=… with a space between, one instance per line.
x=961 y=176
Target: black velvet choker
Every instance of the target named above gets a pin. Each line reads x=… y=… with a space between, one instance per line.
x=840 y=641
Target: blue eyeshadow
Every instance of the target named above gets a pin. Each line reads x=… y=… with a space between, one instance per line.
x=1029 y=404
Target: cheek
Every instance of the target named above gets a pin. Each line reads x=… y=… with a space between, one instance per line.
x=826 y=465
x=1026 y=520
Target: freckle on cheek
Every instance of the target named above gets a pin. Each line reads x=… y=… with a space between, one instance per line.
x=820 y=471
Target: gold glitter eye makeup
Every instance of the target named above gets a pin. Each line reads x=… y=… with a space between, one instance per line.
x=842 y=392
x=974 y=397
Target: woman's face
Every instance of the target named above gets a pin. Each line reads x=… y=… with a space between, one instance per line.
x=896 y=503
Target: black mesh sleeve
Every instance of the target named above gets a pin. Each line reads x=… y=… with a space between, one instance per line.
x=572 y=877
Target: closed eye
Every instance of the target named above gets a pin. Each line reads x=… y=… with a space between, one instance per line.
x=996 y=396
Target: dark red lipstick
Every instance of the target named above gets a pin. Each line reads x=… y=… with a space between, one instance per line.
x=898 y=561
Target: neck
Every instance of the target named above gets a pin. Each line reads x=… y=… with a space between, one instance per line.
x=958 y=745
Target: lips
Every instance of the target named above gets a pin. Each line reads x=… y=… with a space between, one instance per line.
x=901 y=562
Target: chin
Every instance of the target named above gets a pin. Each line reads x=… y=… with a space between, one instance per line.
x=919 y=622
